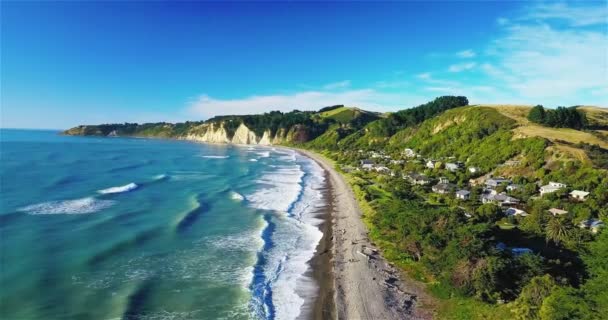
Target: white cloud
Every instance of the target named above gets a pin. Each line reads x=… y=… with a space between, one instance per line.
x=337 y=85
x=459 y=67
x=466 y=54
x=425 y=75
x=371 y=99
x=574 y=15
x=539 y=61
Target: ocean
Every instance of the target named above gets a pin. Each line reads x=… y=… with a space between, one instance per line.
x=128 y=228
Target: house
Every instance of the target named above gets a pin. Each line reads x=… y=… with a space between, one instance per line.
x=366 y=164
x=515 y=212
x=409 y=153
x=579 y=195
x=473 y=169
x=463 y=194
x=418 y=179
x=557 y=212
x=397 y=161
x=382 y=169
x=513 y=187
x=495 y=182
x=592 y=224
x=431 y=164
x=501 y=199
x=443 y=180
x=443 y=188
x=520 y=251
x=551 y=187
x=452 y=166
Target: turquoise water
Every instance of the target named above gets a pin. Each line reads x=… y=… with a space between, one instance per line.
x=111 y=228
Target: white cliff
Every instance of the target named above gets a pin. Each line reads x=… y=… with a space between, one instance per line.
x=266 y=140
x=243 y=135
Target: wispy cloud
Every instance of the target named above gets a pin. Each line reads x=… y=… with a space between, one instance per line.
x=337 y=85
x=459 y=67
x=553 y=54
x=371 y=99
x=574 y=15
x=466 y=54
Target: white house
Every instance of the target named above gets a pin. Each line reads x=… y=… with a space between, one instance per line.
x=515 y=212
x=557 y=212
x=382 y=169
x=366 y=164
x=463 y=194
x=579 y=195
x=551 y=187
x=501 y=199
x=444 y=180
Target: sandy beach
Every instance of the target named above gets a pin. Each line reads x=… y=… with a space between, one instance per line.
x=364 y=286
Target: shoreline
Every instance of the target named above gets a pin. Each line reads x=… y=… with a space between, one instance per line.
x=365 y=285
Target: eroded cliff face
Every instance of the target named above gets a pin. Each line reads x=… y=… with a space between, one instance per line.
x=243 y=135
x=217 y=133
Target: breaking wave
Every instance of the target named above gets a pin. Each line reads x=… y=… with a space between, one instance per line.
x=120 y=189
x=77 y=206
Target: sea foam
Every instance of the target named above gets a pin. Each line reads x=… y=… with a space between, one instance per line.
x=289 y=190
x=120 y=189
x=78 y=206
x=215 y=157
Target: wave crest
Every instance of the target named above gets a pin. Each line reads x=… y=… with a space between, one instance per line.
x=78 y=206
x=119 y=189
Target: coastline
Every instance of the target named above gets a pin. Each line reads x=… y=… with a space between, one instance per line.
x=365 y=285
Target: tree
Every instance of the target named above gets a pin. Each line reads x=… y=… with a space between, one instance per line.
x=537 y=114
x=488 y=212
x=565 y=304
x=530 y=300
x=557 y=230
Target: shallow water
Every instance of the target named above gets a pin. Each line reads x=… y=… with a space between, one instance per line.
x=105 y=228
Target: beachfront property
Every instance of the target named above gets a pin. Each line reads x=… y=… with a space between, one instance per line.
x=443 y=188
x=594 y=225
x=551 y=187
x=417 y=179
x=382 y=169
x=557 y=212
x=579 y=195
x=453 y=167
x=463 y=194
x=515 y=212
x=366 y=164
x=495 y=182
x=501 y=199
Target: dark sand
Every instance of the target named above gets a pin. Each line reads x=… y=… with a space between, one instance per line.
x=355 y=281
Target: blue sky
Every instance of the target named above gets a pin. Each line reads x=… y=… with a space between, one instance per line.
x=70 y=63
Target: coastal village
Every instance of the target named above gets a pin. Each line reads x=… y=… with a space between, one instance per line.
x=446 y=181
